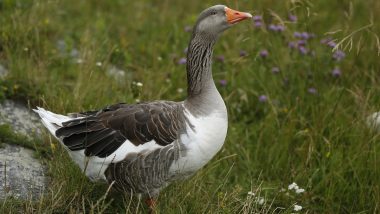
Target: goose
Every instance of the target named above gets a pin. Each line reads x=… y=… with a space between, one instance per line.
x=141 y=148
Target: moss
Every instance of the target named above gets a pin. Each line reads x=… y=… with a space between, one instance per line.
x=8 y=136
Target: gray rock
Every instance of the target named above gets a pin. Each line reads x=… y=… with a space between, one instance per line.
x=21 y=175
x=3 y=71
x=63 y=50
x=22 y=120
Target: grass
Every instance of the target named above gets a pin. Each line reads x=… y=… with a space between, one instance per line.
x=8 y=136
x=318 y=140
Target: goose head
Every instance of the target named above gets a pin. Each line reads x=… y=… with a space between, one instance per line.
x=216 y=19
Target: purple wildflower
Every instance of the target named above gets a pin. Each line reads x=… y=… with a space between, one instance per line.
x=336 y=72
x=188 y=28
x=339 y=55
x=292 y=18
x=297 y=35
x=312 y=90
x=276 y=28
x=257 y=21
x=181 y=61
x=257 y=18
x=223 y=82
x=280 y=28
x=326 y=40
x=220 y=58
x=303 y=50
x=243 y=53
x=301 y=43
x=258 y=24
x=275 y=70
x=263 y=98
x=292 y=45
x=305 y=35
x=272 y=27
x=264 y=53
x=331 y=44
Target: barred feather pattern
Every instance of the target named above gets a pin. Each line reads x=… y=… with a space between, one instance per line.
x=146 y=172
x=199 y=60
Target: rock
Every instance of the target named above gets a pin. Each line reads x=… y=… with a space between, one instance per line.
x=22 y=120
x=65 y=51
x=3 y=71
x=21 y=175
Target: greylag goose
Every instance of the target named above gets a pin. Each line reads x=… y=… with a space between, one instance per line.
x=141 y=148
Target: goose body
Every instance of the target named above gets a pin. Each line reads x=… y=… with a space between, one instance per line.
x=141 y=148
x=199 y=139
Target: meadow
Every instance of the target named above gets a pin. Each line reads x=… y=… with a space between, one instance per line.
x=299 y=82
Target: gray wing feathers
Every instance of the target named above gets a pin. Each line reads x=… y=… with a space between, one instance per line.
x=100 y=133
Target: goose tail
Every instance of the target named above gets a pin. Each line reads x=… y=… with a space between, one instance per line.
x=51 y=120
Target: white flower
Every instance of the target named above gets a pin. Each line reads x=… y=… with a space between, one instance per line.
x=261 y=201
x=98 y=64
x=180 y=90
x=251 y=193
x=79 y=61
x=26 y=49
x=159 y=58
x=139 y=84
x=300 y=190
x=297 y=207
x=137 y=100
x=116 y=73
x=293 y=186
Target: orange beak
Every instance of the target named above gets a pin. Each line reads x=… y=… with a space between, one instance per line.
x=234 y=16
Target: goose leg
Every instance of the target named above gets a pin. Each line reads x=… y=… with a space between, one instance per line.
x=151 y=202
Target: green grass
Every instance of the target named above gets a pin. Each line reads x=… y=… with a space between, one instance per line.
x=8 y=136
x=318 y=141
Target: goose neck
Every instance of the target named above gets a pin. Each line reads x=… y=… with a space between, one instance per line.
x=198 y=66
x=203 y=96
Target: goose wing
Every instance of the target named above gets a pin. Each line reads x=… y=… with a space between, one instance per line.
x=100 y=133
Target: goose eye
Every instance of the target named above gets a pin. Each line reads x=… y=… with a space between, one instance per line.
x=213 y=13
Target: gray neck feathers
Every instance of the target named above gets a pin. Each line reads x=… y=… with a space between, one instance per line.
x=203 y=97
x=198 y=66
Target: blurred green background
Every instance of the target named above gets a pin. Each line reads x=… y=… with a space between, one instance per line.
x=296 y=114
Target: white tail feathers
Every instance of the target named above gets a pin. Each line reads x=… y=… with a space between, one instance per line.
x=51 y=120
x=373 y=121
x=93 y=167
